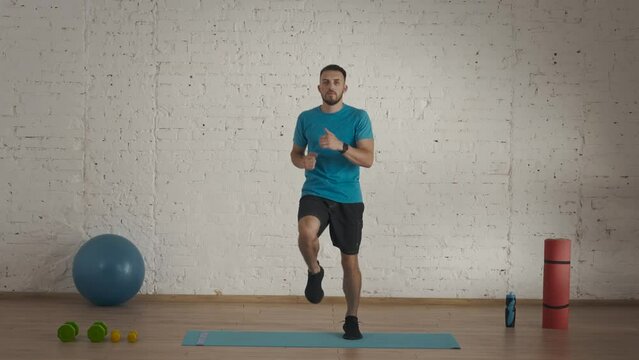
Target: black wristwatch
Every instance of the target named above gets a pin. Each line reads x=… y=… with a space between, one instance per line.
x=344 y=148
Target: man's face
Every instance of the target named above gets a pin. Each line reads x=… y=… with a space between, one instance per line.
x=332 y=86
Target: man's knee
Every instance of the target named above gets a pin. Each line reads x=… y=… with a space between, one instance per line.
x=350 y=263
x=308 y=228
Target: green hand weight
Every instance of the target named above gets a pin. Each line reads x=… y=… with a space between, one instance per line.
x=68 y=331
x=97 y=332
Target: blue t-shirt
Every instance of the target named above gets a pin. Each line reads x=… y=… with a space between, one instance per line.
x=334 y=177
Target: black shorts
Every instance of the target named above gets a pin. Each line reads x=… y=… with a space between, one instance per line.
x=345 y=220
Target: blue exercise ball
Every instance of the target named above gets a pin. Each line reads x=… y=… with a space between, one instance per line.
x=108 y=270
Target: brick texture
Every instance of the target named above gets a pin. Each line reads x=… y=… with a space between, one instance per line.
x=498 y=123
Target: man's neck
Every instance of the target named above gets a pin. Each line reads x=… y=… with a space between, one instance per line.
x=330 y=109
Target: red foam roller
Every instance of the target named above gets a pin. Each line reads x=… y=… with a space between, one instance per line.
x=556 y=283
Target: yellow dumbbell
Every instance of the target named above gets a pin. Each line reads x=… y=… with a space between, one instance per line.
x=115 y=335
x=133 y=336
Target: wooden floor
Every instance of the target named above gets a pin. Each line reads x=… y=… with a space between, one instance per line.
x=29 y=324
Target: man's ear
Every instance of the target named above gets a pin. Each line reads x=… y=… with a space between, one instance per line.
x=345 y=87
x=318 y=89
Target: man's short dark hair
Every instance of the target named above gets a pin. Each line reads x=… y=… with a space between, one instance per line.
x=334 y=67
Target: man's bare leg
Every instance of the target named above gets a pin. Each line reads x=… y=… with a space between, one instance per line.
x=352 y=284
x=308 y=242
x=352 y=289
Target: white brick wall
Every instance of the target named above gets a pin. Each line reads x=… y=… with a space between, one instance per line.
x=498 y=124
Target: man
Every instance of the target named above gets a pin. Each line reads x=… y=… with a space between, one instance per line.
x=339 y=139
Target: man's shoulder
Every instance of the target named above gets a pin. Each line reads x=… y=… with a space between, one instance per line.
x=361 y=114
x=309 y=112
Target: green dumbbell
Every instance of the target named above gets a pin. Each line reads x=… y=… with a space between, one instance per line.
x=68 y=331
x=97 y=332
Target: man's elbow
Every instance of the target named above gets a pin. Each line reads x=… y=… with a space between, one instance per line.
x=369 y=162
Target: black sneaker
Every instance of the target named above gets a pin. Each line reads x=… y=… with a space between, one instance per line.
x=314 y=292
x=351 y=328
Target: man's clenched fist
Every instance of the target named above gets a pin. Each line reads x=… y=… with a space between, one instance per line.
x=309 y=161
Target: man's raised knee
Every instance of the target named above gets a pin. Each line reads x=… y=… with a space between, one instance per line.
x=308 y=227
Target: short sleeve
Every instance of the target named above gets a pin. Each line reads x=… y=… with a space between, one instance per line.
x=299 y=138
x=364 y=129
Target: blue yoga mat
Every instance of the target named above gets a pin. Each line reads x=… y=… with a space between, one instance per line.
x=379 y=340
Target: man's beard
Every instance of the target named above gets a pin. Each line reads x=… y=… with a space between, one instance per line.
x=332 y=102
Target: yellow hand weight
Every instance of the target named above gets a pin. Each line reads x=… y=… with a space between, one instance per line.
x=115 y=336
x=133 y=336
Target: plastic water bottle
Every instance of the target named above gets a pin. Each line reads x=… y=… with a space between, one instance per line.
x=511 y=310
